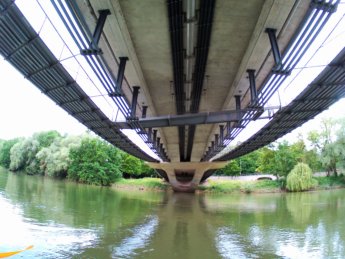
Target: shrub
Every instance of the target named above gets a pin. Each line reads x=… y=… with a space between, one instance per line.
x=132 y=167
x=300 y=178
x=94 y=162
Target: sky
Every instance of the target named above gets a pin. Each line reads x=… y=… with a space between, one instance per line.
x=24 y=110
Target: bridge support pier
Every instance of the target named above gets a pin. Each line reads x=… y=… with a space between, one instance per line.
x=186 y=176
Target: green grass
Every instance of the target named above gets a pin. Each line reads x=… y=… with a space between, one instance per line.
x=330 y=182
x=144 y=183
x=228 y=186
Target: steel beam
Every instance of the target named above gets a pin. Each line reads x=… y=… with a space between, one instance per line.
x=120 y=74
x=99 y=27
x=188 y=119
x=221 y=134
x=134 y=100
x=252 y=85
x=158 y=143
x=216 y=139
x=274 y=46
x=228 y=129
x=238 y=106
x=94 y=49
x=149 y=135
x=144 y=111
x=238 y=102
x=154 y=137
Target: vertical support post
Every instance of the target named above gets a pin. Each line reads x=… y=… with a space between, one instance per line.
x=216 y=139
x=252 y=85
x=161 y=148
x=143 y=115
x=238 y=106
x=212 y=145
x=228 y=129
x=99 y=27
x=134 y=100
x=238 y=102
x=150 y=135
x=274 y=46
x=154 y=138
x=221 y=134
x=158 y=143
x=121 y=73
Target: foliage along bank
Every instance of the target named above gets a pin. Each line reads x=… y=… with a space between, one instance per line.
x=91 y=160
x=84 y=158
x=323 y=151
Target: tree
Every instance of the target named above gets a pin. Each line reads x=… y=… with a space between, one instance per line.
x=312 y=158
x=231 y=169
x=300 y=178
x=23 y=154
x=285 y=159
x=54 y=160
x=135 y=168
x=94 y=162
x=130 y=165
x=248 y=163
x=324 y=143
x=46 y=138
x=5 y=152
x=266 y=160
x=339 y=145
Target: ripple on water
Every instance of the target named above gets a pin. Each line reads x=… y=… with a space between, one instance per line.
x=50 y=240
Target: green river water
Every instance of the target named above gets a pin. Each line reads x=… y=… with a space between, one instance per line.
x=66 y=220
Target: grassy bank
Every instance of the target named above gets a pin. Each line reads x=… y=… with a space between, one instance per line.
x=227 y=186
x=155 y=184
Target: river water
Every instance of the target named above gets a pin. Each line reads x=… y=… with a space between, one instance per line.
x=66 y=220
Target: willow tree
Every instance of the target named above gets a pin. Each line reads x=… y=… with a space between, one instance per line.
x=300 y=178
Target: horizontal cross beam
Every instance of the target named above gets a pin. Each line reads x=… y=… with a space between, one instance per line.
x=188 y=119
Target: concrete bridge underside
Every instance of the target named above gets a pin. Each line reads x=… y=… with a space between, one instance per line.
x=162 y=53
x=203 y=68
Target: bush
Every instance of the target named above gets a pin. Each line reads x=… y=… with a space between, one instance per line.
x=5 y=152
x=132 y=167
x=300 y=178
x=94 y=162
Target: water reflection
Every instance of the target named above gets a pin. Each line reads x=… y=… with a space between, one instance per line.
x=139 y=239
x=64 y=220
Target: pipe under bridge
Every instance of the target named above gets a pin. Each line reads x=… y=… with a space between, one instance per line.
x=186 y=75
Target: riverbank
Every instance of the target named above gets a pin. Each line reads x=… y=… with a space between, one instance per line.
x=143 y=184
x=227 y=185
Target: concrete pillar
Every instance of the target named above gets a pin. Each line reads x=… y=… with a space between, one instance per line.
x=195 y=170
